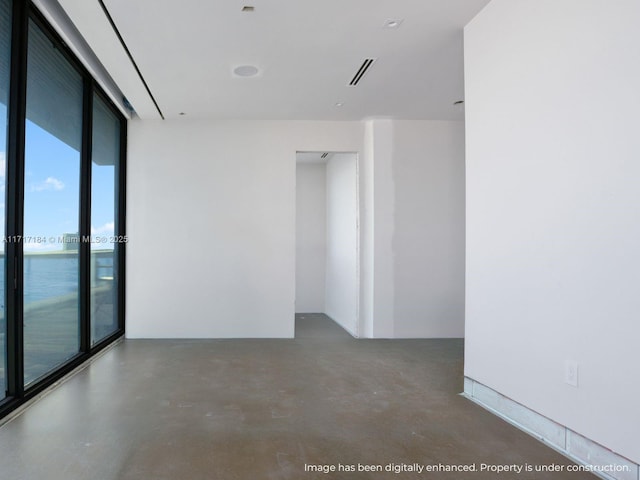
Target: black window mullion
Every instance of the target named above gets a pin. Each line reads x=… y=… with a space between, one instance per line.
x=14 y=198
x=85 y=217
x=120 y=230
x=24 y=12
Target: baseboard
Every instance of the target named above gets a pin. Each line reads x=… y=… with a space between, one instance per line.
x=600 y=460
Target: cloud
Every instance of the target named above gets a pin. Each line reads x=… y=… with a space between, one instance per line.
x=50 y=183
x=108 y=227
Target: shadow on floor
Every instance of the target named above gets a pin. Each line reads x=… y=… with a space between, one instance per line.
x=319 y=326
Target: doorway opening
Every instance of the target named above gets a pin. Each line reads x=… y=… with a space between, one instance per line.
x=327 y=239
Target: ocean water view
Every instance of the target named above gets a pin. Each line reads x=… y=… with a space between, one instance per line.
x=51 y=315
x=62 y=159
x=55 y=274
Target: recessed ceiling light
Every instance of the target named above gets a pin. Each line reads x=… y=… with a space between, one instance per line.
x=248 y=8
x=393 y=22
x=339 y=104
x=246 y=71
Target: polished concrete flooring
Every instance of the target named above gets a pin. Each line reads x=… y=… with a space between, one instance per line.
x=266 y=409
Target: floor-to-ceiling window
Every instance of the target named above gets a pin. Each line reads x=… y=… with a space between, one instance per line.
x=62 y=166
x=104 y=271
x=5 y=50
x=51 y=208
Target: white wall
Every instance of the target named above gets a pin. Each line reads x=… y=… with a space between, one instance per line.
x=553 y=210
x=383 y=228
x=342 y=288
x=211 y=224
x=412 y=174
x=366 y=225
x=311 y=236
x=428 y=238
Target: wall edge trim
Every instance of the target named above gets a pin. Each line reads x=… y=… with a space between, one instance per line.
x=502 y=407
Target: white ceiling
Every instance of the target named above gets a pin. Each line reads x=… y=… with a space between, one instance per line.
x=307 y=52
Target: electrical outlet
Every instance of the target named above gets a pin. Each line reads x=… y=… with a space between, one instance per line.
x=571 y=372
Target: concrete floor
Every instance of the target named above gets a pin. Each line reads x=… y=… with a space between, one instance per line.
x=262 y=409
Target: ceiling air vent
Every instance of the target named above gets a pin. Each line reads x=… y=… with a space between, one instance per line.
x=361 y=71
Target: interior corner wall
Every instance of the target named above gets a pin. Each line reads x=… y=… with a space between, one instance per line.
x=383 y=294
x=311 y=237
x=342 y=284
x=553 y=210
x=365 y=174
x=412 y=176
x=428 y=229
x=211 y=224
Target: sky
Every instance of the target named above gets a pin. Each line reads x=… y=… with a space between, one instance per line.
x=51 y=193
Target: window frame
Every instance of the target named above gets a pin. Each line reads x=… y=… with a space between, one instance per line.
x=24 y=11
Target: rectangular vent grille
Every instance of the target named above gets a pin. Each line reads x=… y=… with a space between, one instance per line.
x=361 y=71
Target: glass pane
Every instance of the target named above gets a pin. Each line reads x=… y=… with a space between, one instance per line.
x=5 y=42
x=106 y=148
x=51 y=208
